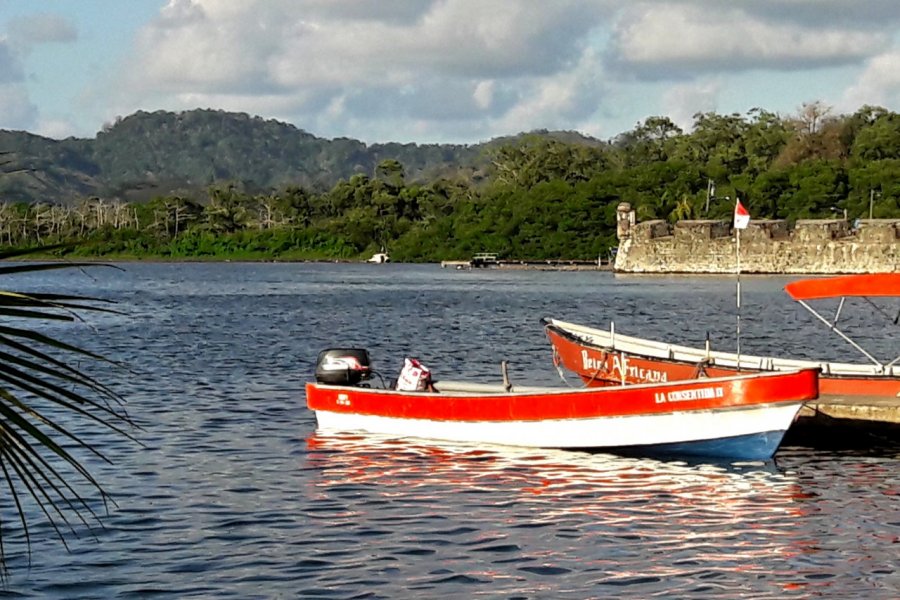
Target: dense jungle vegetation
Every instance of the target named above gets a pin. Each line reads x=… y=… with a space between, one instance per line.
x=208 y=184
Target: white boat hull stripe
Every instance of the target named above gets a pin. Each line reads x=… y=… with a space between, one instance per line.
x=597 y=432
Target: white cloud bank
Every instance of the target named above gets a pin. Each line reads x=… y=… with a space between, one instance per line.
x=679 y=40
x=468 y=70
x=430 y=67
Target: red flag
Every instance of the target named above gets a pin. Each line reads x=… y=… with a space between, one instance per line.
x=741 y=216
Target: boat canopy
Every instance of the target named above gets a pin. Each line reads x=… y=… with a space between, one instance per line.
x=867 y=285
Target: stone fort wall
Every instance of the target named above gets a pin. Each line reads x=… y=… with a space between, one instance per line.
x=829 y=246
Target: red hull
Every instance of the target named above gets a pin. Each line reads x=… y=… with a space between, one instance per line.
x=743 y=417
x=603 y=367
x=563 y=403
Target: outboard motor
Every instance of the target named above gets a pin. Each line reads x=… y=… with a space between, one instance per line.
x=343 y=366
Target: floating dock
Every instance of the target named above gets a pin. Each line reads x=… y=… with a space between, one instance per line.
x=456 y=264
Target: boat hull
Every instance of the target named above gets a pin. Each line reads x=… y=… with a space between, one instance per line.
x=602 y=358
x=741 y=434
x=740 y=417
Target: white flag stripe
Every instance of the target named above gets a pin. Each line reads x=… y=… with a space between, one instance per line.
x=741 y=216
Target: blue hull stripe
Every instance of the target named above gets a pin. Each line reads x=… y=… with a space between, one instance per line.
x=756 y=446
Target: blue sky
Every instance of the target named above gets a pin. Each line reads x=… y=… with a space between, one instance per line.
x=438 y=71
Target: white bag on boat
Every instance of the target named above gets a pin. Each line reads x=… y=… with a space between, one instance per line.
x=414 y=376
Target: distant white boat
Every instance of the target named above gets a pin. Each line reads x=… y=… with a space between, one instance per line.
x=380 y=258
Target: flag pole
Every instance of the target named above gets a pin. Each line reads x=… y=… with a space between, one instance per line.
x=741 y=220
x=737 y=232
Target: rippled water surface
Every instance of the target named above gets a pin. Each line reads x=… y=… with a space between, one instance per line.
x=233 y=494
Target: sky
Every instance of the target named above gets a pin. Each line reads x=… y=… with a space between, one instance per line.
x=441 y=71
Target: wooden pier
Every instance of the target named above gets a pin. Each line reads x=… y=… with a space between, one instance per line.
x=490 y=261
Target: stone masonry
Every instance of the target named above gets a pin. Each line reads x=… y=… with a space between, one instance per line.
x=826 y=246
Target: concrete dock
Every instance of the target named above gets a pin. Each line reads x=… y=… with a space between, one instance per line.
x=856 y=409
x=852 y=421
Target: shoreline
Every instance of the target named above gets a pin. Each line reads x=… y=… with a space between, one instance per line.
x=542 y=265
x=506 y=265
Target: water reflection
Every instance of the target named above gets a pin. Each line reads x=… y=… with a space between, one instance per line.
x=391 y=461
x=605 y=520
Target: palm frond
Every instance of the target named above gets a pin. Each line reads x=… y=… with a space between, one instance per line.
x=37 y=267
x=44 y=400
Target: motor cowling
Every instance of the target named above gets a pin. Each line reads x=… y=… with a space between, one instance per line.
x=343 y=366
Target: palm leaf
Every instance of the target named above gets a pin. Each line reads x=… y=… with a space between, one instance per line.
x=36 y=267
x=45 y=399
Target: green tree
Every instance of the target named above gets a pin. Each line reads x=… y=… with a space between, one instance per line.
x=771 y=193
x=878 y=141
x=535 y=159
x=764 y=139
x=654 y=140
x=390 y=172
x=227 y=211
x=297 y=206
x=818 y=187
x=716 y=144
x=852 y=125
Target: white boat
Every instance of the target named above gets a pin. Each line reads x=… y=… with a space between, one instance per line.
x=379 y=258
x=740 y=417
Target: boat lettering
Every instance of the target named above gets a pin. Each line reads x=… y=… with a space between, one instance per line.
x=621 y=367
x=636 y=373
x=706 y=393
x=589 y=363
x=343 y=400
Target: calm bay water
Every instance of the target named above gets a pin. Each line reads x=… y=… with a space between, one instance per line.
x=233 y=494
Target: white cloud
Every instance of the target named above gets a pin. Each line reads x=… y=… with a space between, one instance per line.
x=484 y=94
x=679 y=39
x=335 y=62
x=682 y=102
x=878 y=85
x=55 y=128
x=16 y=109
x=555 y=102
x=291 y=44
x=466 y=70
x=204 y=47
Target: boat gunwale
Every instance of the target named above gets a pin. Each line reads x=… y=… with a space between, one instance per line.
x=537 y=391
x=600 y=339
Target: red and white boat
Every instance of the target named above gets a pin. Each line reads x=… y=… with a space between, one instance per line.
x=605 y=357
x=739 y=417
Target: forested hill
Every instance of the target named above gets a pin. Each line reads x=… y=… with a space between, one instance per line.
x=146 y=155
x=213 y=184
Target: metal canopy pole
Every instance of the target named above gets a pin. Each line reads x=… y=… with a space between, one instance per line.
x=834 y=328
